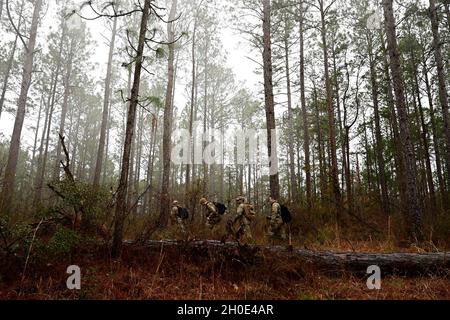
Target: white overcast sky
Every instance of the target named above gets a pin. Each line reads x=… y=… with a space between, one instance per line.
x=234 y=43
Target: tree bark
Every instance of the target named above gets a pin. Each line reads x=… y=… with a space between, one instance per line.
x=64 y=108
x=443 y=96
x=379 y=137
x=434 y=131
x=36 y=134
x=121 y=199
x=398 y=154
x=269 y=101
x=294 y=196
x=414 y=212
x=304 y=111
x=43 y=151
x=168 y=119
x=106 y=100
x=191 y=111
x=331 y=116
x=424 y=134
x=10 y=62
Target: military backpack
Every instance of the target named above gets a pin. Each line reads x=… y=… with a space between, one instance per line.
x=221 y=208
x=249 y=211
x=183 y=213
x=286 y=215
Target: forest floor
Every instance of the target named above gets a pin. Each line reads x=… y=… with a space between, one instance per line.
x=167 y=274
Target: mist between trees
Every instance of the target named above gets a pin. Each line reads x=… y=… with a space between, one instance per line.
x=352 y=97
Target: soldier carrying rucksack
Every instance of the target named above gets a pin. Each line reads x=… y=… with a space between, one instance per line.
x=214 y=212
x=239 y=226
x=178 y=215
x=277 y=225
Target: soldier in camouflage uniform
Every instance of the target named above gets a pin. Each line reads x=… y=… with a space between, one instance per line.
x=239 y=226
x=175 y=216
x=277 y=228
x=213 y=217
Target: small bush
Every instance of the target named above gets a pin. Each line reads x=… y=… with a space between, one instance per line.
x=63 y=242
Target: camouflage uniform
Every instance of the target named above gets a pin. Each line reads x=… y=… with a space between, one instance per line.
x=276 y=224
x=174 y=218
x=213 y=218
x=239 y=226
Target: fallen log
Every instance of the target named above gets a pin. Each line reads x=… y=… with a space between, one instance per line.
x=333 y=262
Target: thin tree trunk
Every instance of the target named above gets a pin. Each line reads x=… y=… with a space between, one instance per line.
x=306 y=141
x=269 y=101
x=414 y=213
x=424 y=135
x=121 y=203
x=108 y=135
x=336 y=93
x=10 y=62
x=151 y=161
x=42 y=163
x=106 y=101
x=447 y=13
x=320 y=143
x=443 y=96
x=292 y=178
x=398 y=154
x=36 y=134
x=434 y=131
x=64 y=109
x=379 y=137
x=331 y=116
x=11 y=166
x=168 y=119
x=191 y=111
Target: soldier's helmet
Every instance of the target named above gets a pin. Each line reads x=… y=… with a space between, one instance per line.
x=203 y=201
x=241 y=199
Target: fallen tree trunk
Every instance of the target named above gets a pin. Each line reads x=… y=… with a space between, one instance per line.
x=333 y=262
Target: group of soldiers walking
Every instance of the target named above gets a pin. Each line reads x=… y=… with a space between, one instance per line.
x=239 y=225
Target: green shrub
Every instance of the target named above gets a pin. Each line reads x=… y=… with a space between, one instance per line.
x=93 y=202
x=63 y=242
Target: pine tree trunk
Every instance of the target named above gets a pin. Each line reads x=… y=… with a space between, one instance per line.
x=434 y=131
x=36 y=134
x=106 y=101
x=64 y=108
x=6 y=197
x=121 y=202
x=320 y=148
x=10 y=62
x=398 y=154
x=379 y=137
x=43 y=152
x=306 y=141
x=414 y=212
x=191 y=111
x=424 y=135
x=168 y=119
x=337 y=99
x=292 y=177
x=447 y=13
x=331 y=116
x=443 y=95
x=269 y=101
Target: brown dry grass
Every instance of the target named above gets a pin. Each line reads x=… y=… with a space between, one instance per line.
x=177 y=274
x=174 y=274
